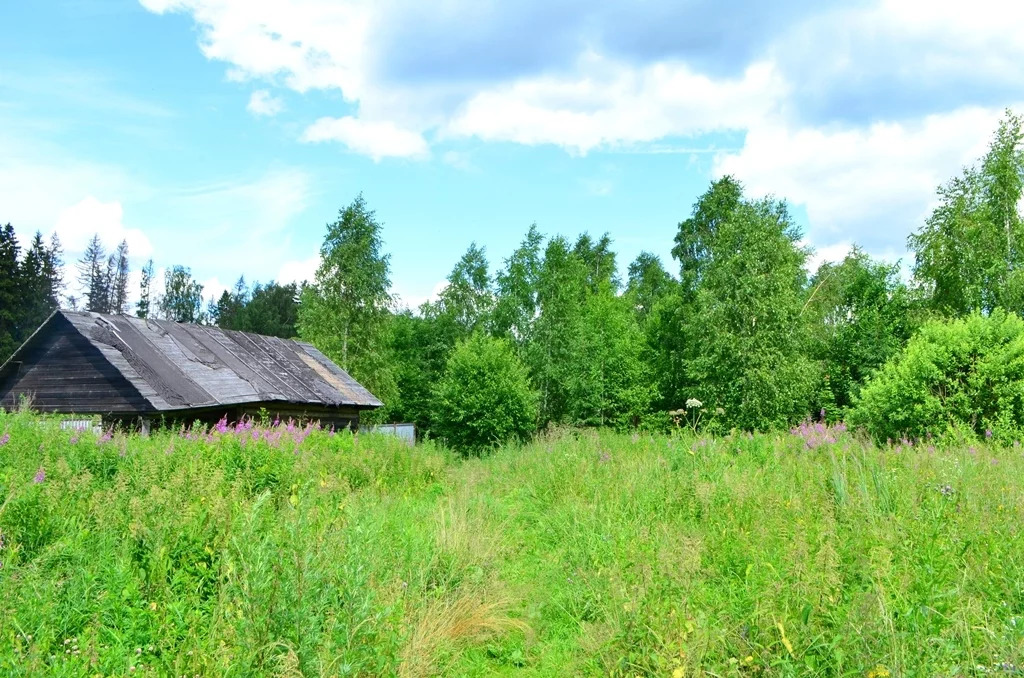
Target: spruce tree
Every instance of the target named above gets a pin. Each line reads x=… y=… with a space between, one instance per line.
x=53 y=269
x=35 y=289
x=119 y=279
x=10 y=297
x=92 y=276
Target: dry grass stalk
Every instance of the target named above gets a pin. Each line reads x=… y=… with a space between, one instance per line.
x=449 y=624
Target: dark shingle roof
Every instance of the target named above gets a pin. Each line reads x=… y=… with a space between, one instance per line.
x=179 y=366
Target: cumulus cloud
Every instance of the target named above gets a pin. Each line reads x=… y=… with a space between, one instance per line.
x=633 y=72
x=901 y=59
x=298 y=271
x=462 y=69
x=869 y=184
x=261 y=102
x=412 y=301
x=377 y=139
x=77 y=224
x=608 y=103
x=855 y=109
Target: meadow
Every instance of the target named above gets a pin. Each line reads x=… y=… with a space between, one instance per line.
x=276 y=550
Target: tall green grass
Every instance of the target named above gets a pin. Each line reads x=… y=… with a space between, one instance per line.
x=583 y=553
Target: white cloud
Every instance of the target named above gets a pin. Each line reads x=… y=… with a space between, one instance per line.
x=77 y=224
x=608 y=103
x=587 y=80
x=39 y=181
x=831 y=253
x=213 y=288
x=261 y=102
x=298 y=271
x=854 y=110
x=377 y=139
x=870 y=184
x=412 y=301
x=311 y=44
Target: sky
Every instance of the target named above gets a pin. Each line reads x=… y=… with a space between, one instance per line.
x=224 y=135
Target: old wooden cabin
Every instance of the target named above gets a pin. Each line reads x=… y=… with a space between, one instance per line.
x=143 y=372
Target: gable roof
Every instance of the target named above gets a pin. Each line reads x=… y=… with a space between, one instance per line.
x=177 y=366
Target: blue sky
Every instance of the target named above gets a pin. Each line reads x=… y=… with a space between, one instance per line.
x=224 y=134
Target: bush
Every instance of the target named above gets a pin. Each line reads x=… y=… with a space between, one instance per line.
x=484 y=398
x=954 y=375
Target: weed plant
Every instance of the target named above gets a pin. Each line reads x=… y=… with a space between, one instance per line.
x=284 y=551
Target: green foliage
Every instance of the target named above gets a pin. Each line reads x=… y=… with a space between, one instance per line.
x=465 y=304
x=182 y=300
x=516 y=285
x=484 y=398
x=270 y=310
x=751 y=361
x=9 y=292
x=345 y=311
x=92 y=276
x=117 y=280
x=421 y=344
x=30 y=287
x=608 y=381
x=583 y=553
x=648 y=284
x=419 y=356
x=144 y=307
x=598 y=261
x=969 y=254
x=964 y=375
x=192 y=554
x=732 y=336
x=858 y=315
x=695 y=238
x=562 y=289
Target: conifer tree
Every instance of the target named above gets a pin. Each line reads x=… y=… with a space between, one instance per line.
x=92 y=276
x=145 y=291
x=35 y=302
x=10 y=282
x=118 y=264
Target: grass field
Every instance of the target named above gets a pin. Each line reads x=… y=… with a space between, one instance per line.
x=289 y=552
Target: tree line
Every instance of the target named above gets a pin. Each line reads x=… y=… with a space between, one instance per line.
x=735 y=332
x=32 y=286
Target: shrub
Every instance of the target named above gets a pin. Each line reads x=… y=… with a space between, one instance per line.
x=484 y=397
x=965 y=374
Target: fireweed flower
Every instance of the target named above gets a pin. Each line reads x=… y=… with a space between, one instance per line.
x=40 y=476
x=988 y=433
x=4 y=439
x=817 y=433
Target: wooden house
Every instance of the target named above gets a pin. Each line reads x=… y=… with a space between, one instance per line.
x=140 y=372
